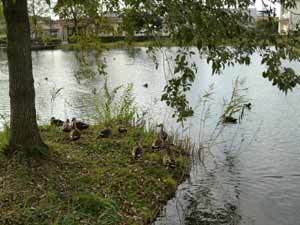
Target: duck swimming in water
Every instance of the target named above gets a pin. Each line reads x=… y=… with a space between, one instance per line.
x=137 y=151
x=80 y=125
x=229 y=119
x=67 y=127
x=56 y=122
x=75 y=133
x=248 y=105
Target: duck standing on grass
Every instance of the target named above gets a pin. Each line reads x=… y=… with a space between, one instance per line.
x=122 y=130
x=75 y=133
x=163 y=135
x=56 y=122
x=105 y=133
x=137 y=151
x=157 y=143
x=80 y=125
x=169 y=158
x=67 y=127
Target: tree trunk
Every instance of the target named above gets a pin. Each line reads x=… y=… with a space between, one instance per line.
x=24 y=133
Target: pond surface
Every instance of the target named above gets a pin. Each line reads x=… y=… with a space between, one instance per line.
x=251 y=174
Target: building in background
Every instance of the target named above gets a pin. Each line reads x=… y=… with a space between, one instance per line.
x=289 y=19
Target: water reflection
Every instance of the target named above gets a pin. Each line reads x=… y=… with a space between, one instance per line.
x=250 y=176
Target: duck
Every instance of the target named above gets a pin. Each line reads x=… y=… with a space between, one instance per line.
x=81 y=125
x=67 y=127
x=105 y=133
x=75 y=132
x=157 y=143
x=56 y=122
x=145 y=85
x=229 y=119
x=122 y=130
x=169 y=161
x=137 y=151
x=248 y=105
x=163 y=135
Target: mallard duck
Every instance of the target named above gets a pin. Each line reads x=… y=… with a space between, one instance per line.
x=248 y=105
x=80 y=125
x=163 y=135
x=56 y=122
x=67 y=127
x=137 y=151
x=122 y=130
x=105 y=133
x=169 y=161
x=75 y=133
x=229 y=119
x=157 y=143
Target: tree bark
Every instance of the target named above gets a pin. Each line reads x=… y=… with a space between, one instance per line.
x=24 y=132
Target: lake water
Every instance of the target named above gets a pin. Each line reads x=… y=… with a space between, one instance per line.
x=251 y=175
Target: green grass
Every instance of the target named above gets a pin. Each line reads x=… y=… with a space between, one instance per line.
x=91 y=181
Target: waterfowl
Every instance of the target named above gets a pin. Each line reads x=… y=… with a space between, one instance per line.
x=163 y=135
x=80 y=125
x=75 y=133
x=229 y=119
x=67 y=127
x=56 y=122
x=105 y=133
x=248 y=105
x=157 y=143
x=122 y=130
x=169 y=161
x=137 y=151
x=145 y=85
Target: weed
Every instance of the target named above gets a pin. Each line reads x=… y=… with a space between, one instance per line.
x=113 y=107
x=4 y=134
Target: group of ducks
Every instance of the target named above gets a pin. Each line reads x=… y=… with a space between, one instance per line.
x=158 y=144
x=74 y=127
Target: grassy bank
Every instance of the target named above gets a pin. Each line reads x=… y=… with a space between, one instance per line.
x=91 y=181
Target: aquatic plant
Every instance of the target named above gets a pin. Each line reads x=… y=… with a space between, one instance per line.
x=115 y=105
x=237 y=101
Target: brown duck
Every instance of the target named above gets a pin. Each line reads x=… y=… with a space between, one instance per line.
x=163 y=135
x=137 y=151
x=67 y=127
x=157 y=143
x=75 y=132
x=80 y=125
x=56 y=122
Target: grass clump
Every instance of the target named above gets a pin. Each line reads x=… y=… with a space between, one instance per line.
x=4 y=133
x=115 y=105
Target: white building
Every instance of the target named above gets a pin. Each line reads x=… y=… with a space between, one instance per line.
x=289 y=19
